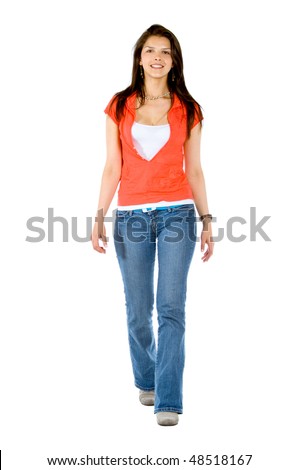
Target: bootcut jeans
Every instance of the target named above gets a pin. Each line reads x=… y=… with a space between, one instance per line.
x=171 y=232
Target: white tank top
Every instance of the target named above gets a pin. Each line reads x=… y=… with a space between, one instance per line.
x=148 y=140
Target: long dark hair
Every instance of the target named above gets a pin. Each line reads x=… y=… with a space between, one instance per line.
x=175 y=86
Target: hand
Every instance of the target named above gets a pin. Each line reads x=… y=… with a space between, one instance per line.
x=206 y=238
x=99 y=234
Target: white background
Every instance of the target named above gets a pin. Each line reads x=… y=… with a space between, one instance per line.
x=66 y=379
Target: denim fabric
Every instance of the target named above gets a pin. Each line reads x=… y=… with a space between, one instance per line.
x=138 y=237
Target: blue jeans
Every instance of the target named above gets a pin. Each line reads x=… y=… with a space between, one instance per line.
x=137 y=236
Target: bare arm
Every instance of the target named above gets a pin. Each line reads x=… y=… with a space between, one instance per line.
x=195 y=176
x=109 y=181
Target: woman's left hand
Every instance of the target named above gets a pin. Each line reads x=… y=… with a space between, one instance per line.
x=206 y=239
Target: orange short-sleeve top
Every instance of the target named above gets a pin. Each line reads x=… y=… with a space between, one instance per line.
x=162 y=178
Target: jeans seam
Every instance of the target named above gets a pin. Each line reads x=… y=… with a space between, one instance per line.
x=168 y=409
x=145 y=389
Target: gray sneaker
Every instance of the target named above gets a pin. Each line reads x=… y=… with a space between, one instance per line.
x=167 y=418
x=146 y=397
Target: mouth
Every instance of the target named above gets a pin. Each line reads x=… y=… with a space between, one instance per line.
x=156 y=66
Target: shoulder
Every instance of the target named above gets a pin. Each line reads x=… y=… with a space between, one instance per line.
x=118 y=105
x=111 y=106
x=112 y=103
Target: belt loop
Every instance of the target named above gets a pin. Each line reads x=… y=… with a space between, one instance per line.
x=130 y=212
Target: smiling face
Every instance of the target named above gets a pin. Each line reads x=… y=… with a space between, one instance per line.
x=156 y=57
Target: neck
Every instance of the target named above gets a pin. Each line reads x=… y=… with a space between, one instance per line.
x=156 y=87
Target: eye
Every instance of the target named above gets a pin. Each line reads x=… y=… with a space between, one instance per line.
x=149 y=50
x=167 y=52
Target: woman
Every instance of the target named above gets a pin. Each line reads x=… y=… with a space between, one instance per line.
x=153 y=131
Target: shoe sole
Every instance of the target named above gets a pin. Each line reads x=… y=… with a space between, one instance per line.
x=167 y=420
x=147 y=399
x=147 y=402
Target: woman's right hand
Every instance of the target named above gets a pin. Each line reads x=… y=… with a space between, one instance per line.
x=99 y=233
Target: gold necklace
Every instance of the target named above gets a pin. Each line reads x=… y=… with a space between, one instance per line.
x=157 y=97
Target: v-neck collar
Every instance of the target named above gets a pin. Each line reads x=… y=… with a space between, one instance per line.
x=130 y=103
x=131 y=106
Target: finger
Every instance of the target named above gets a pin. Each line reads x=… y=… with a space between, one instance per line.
x=100 y=249
x=211 y=247
x=97 y=247
x=208 y=252
x=207 y=255
x=104 y=239
x=202 y=242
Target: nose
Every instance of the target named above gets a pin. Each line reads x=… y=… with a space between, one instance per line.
x=157 y=56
